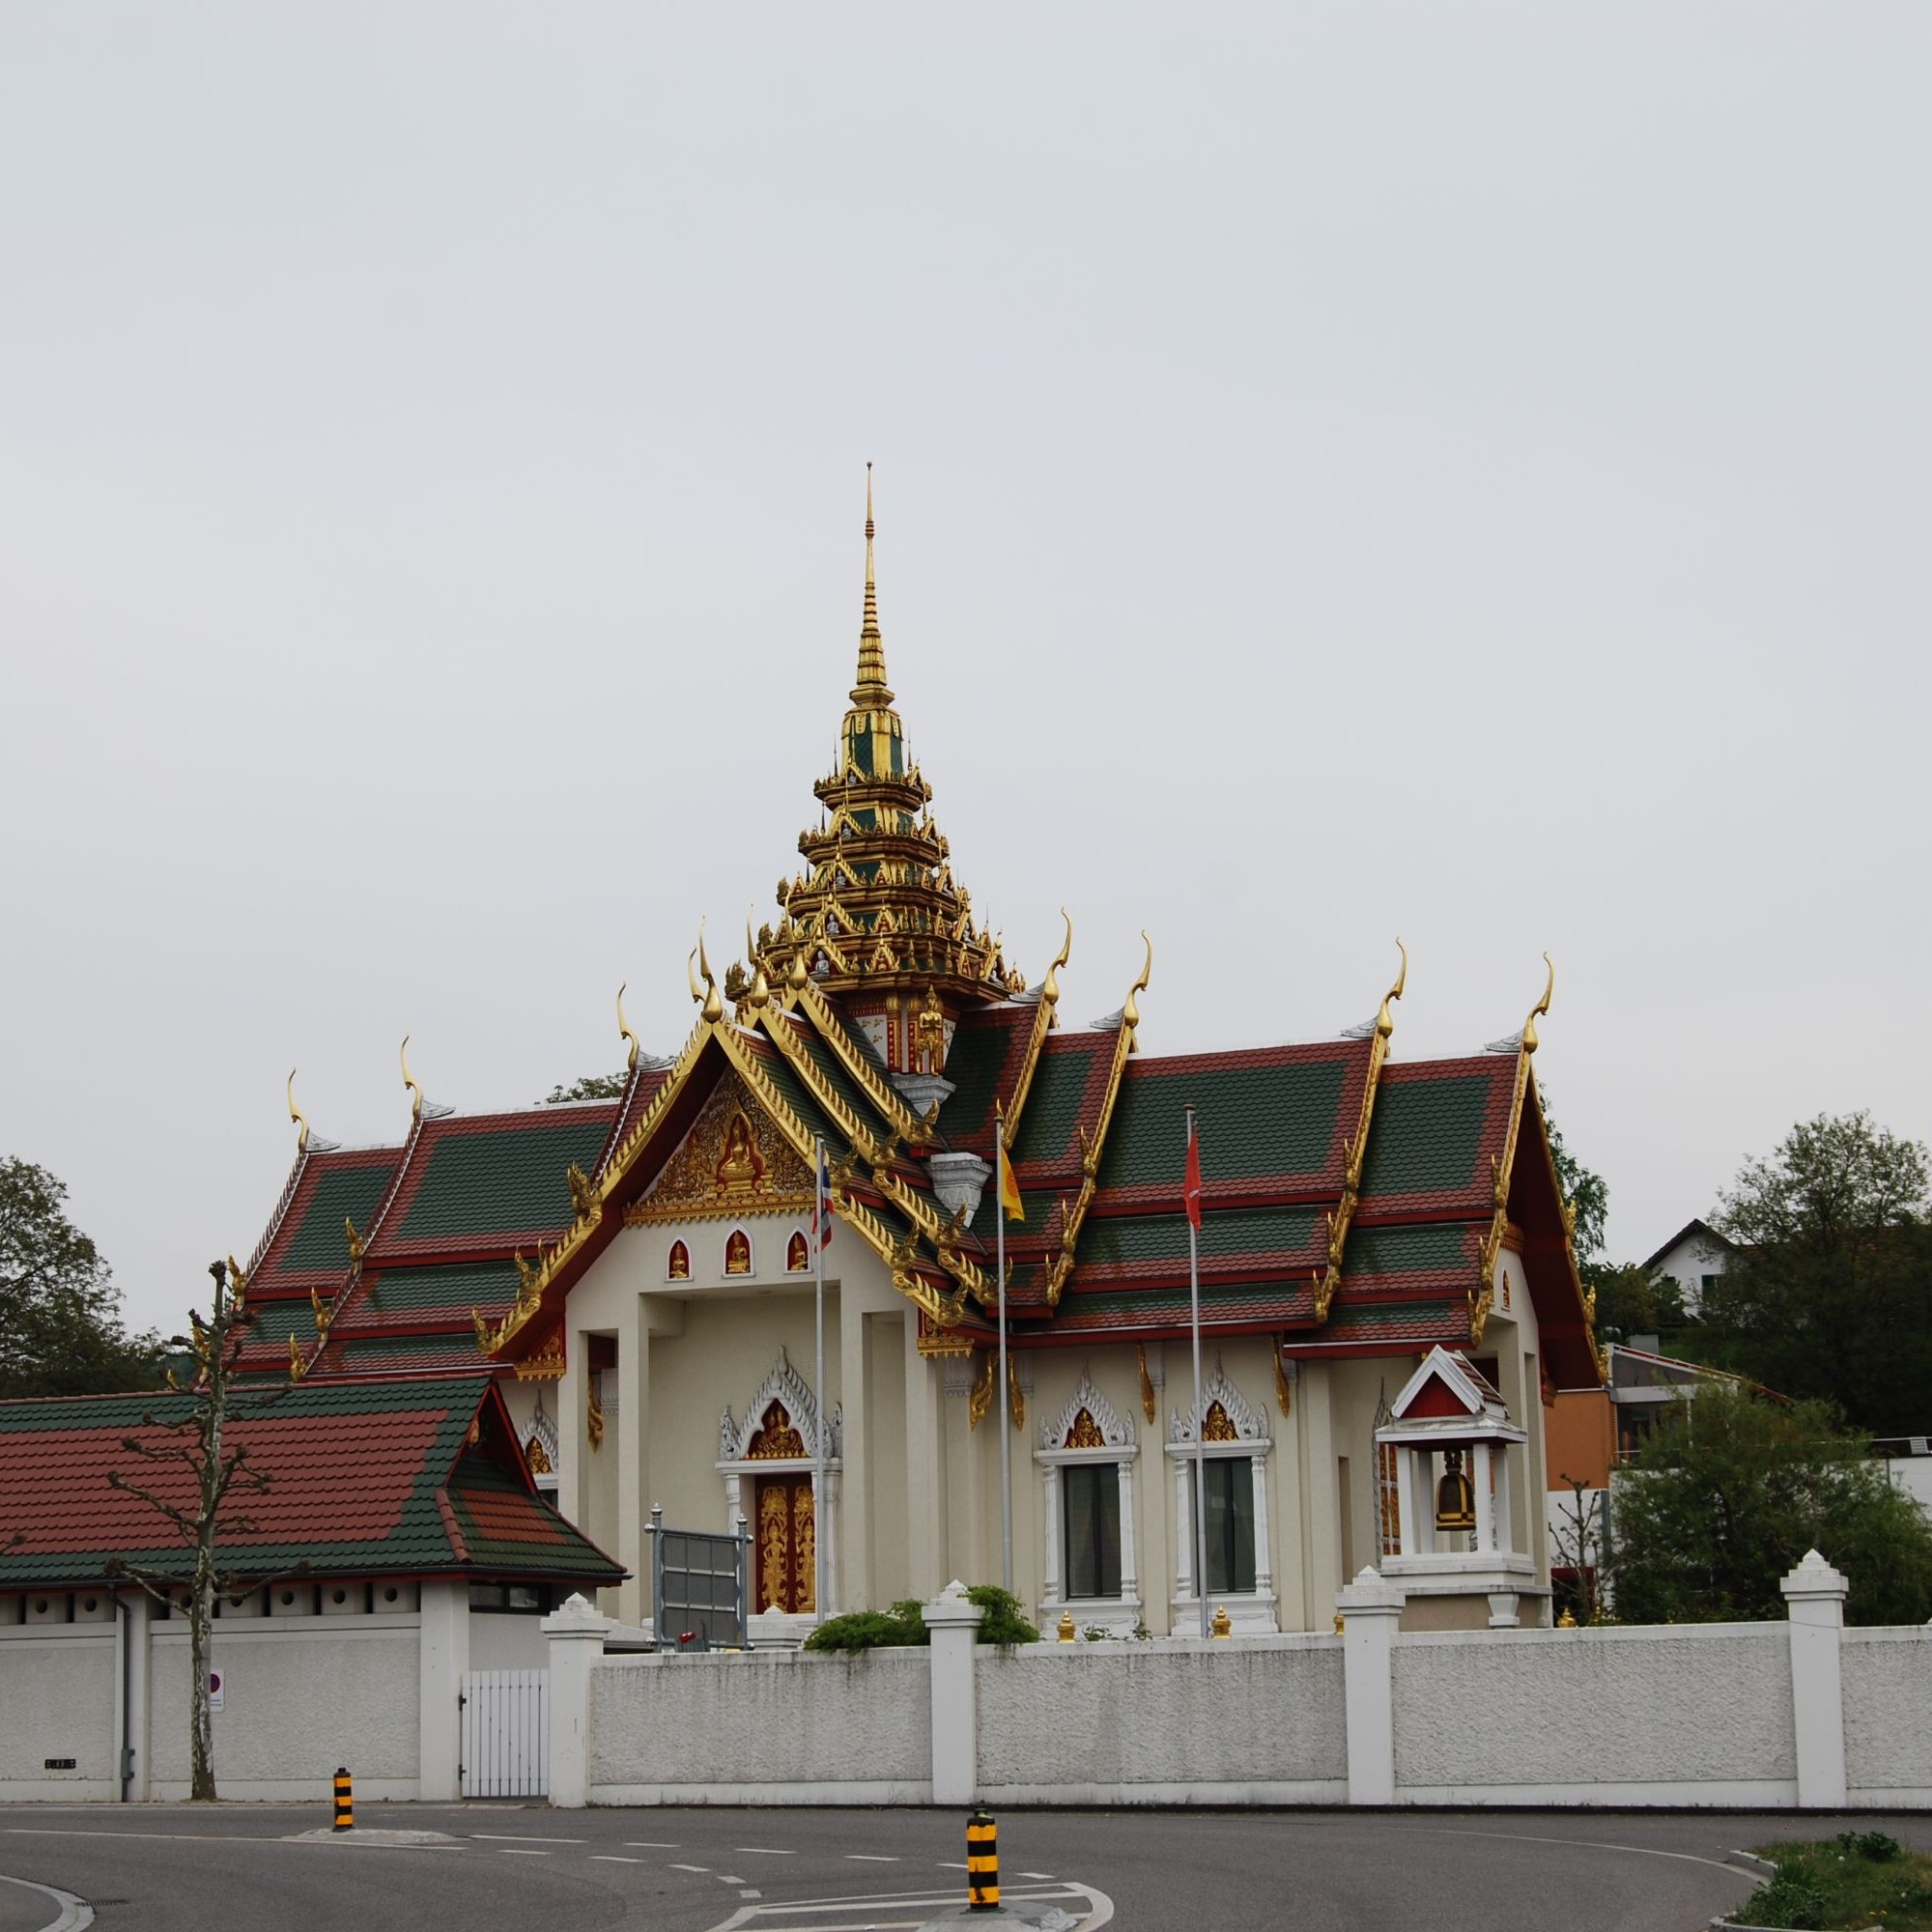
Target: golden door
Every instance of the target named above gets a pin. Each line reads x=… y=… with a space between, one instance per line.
x=787 y=1544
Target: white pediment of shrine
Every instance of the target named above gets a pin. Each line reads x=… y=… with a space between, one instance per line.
x=785 y=1386
x=1105 y=1427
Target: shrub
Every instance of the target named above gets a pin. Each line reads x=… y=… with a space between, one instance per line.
x=1006 y=1620
x=895 y=1628
x=1786 y=1901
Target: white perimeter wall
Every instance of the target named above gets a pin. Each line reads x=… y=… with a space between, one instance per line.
x=1259 y=1722
x=770 y=1728
x=1690 y=1713
x=1683 y=1715
x=57 y=1699
x=297 y=1702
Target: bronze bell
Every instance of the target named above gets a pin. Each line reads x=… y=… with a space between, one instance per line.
x=1455 y=1499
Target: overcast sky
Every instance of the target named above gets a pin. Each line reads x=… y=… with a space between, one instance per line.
x=1454 y=470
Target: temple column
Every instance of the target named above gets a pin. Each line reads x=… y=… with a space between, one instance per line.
x=632 y=1448
x=1321 y=1519
x=925 y=1469
x=855 y=1527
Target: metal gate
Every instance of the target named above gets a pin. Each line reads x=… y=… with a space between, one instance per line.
x=505 y=1733
x=697 y=1586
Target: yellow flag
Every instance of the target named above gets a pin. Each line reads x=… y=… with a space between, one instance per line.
x=1009 y=1188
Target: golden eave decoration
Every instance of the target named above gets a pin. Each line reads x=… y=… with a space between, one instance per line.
x=1328 y=1279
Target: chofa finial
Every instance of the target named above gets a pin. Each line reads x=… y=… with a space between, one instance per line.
x=410 y=1084
x=297 y=1114
x=624 y=1033
x=1385 y=1020
x=871 y=689
x=1542 y=1006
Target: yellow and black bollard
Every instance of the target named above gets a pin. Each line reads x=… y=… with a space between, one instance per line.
x=345 y=1803
x=982 y=1862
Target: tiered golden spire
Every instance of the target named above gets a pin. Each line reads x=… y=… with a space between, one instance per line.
x=870 y=692
x=877 y=906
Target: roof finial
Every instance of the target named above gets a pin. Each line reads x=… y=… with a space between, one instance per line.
x=1541 y=1006
x=871 y=690
x=295 y=1115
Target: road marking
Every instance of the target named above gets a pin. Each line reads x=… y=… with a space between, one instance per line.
x=751 y=1891
x=948 y=1865
x=190 y=1837
x=1597 y=1845
x=1046 y=1878
x=695 y=1868
x=725 y=1879
x=524 y=1838
x=520 y=1852
x=874 y=1858
x=649 y=1845
x=766 y=1851
x=614 y=1859
x=880 y=1912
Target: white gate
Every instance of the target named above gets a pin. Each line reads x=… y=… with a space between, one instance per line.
x=505 y=1733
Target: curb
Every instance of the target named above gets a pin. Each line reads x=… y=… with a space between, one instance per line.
x=75 y=1914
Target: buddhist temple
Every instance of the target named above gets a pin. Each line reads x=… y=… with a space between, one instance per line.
x=637 y=1271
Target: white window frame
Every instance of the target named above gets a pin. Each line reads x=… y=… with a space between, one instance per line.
x=1254 y=1610
x=1117 y=1615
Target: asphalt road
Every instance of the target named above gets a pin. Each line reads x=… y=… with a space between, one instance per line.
x=177 y=1869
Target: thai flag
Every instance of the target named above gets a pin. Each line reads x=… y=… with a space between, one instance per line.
x=823 y=1230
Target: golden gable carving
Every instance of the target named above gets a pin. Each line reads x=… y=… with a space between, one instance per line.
x=732 y=1163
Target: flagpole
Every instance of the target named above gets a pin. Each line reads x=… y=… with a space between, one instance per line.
x=1194 y=1297
x=820 y=1208
x=999 y=1262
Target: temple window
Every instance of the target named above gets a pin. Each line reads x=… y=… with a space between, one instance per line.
x=798 y=1254
x=1090 y=1499
x=1233 y=1448
x=1085 y=1458
x=738 y=1252
x=677 y=1263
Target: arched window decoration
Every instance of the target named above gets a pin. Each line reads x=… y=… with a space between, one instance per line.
x=678 y=1265
x=738 y=1252
x=798 y=1254
x=538 y=1457
x=776 y=1436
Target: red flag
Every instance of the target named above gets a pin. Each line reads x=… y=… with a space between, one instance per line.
x=1191 y=1195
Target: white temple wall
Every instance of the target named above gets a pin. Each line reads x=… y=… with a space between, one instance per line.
x=57 y=1688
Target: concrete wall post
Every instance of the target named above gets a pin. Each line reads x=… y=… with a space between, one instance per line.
x=954 y=1624
x=1814 y=1595
x=576 y=1634
x=1371 y=1610
x=443 y=1656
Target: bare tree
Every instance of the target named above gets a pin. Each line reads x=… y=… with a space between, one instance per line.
x=192 y=1438
x=1578 y=1537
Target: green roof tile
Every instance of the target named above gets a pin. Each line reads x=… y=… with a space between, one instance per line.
x=341 y=1193
x=501 y=1181
x=1254 y=1120
x=1426 y=1136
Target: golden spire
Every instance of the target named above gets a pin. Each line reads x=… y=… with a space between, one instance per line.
x=410 y=1083
x=871 y=690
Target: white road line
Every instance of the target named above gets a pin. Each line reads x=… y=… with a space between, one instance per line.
x=524 y=1838
x=520 y=1852
x=1598 y=1845
x=649 y=1845
x=767 y=1850
x=696 y=1868
x=950 y=1864
x=874 y=1858
x=751 y=1891
x=614 y=1859
x=1046 y=1878
x=724 y=1878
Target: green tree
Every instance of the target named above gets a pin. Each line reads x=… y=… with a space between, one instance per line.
x=1830 y=1295
x=60 y=1323
x=589 y=1087
x=1631 y=1300
x=1730 y=1491
x=1588 y=1189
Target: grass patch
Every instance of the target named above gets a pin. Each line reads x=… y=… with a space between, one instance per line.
x=1839 y=1885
